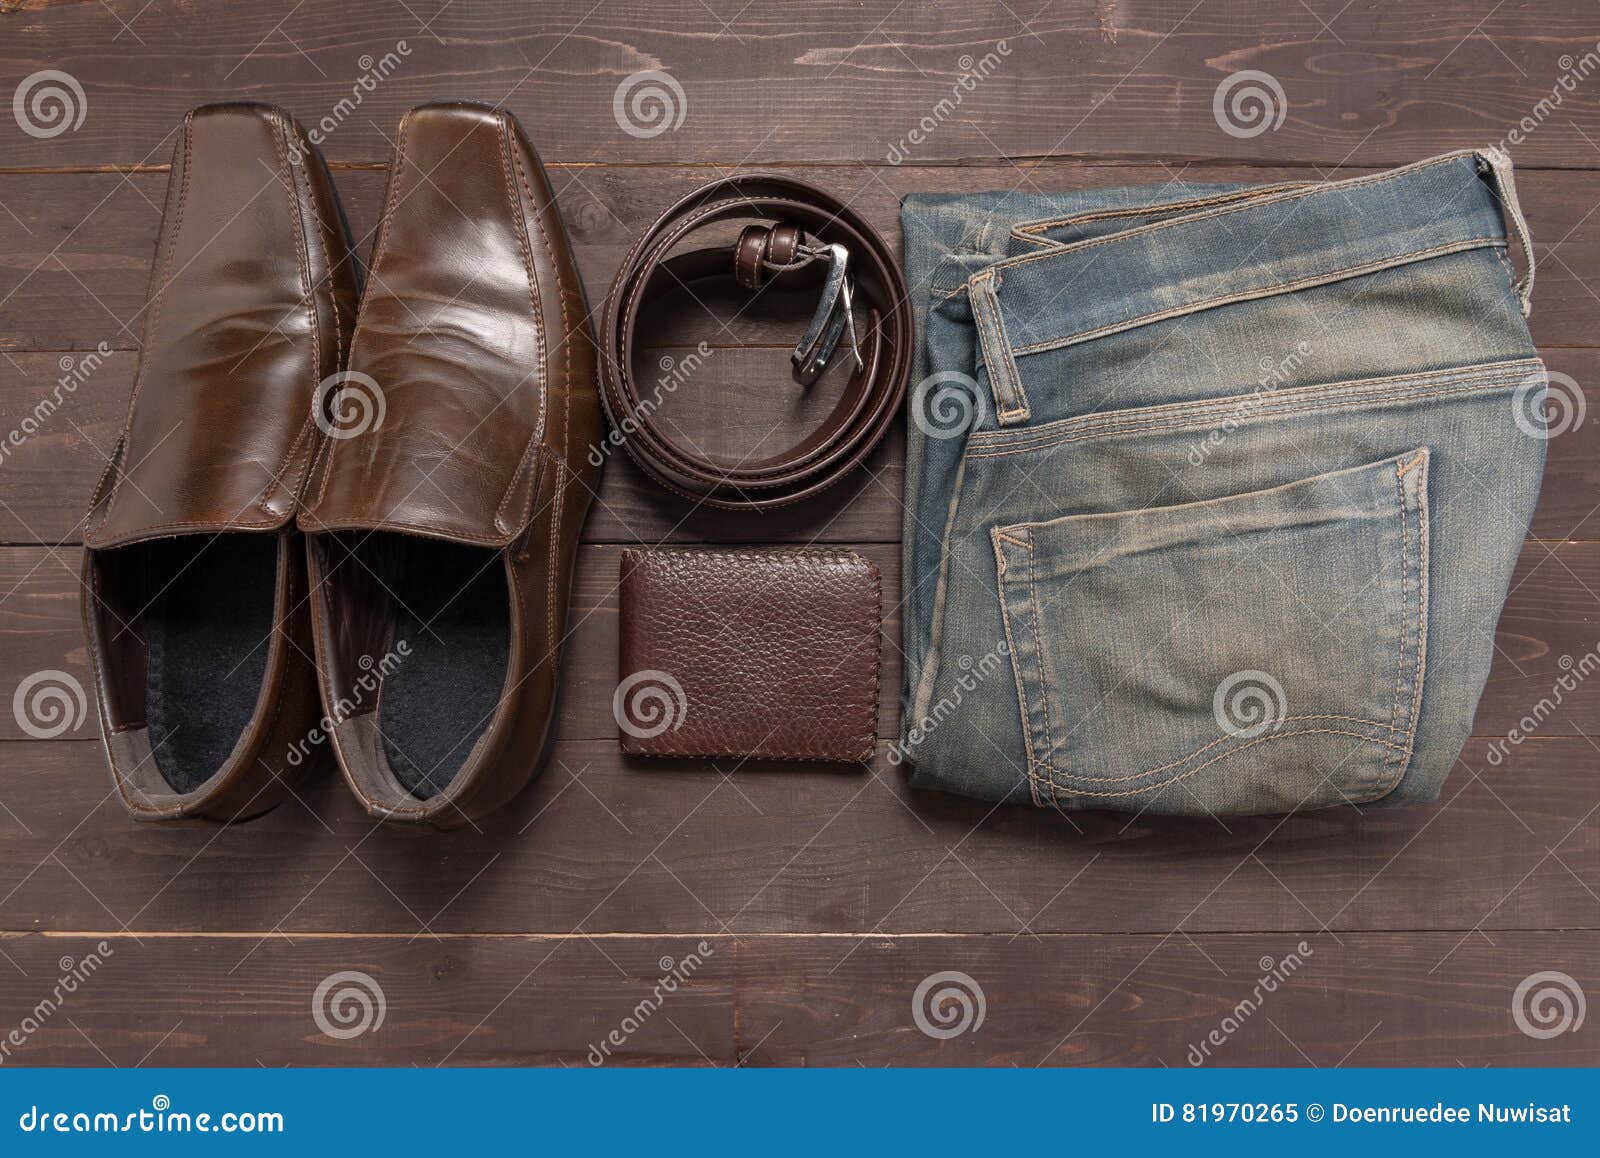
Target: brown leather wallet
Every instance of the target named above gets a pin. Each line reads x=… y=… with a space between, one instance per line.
x=769 y=655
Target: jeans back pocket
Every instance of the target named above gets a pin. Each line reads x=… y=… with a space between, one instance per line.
x=1260 y=652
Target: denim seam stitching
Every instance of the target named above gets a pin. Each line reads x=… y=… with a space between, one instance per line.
x=1289 y=195
x=1504 y=254
x=1027 y=230
x=1390 y=779
x=1203 y=748
x=1013 y=376
x=1209 y=407
x=1405 y=618
x=1004 y=381
x=1231 y=753
x=1418 y=670
x=1016 y=672
x=1045 y=686
x=1378 y=265
x=1375 y=396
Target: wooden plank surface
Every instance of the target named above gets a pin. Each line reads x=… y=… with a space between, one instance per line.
x=834 y=81
x=823 y=897
x=1361 y=999
x=603 y=844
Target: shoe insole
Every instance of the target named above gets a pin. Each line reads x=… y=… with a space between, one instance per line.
x=207 y=635
x=451 y=606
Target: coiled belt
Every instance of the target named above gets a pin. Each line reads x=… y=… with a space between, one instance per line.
x=809 y=230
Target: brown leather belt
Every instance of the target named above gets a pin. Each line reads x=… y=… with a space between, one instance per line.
x=810 y=232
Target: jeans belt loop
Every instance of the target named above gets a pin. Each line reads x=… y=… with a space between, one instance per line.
x=1010 y=401
x=1498 y=163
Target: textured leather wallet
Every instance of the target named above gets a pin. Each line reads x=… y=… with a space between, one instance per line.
x=771 y=655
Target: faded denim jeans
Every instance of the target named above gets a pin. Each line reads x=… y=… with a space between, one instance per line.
x=1214 y=492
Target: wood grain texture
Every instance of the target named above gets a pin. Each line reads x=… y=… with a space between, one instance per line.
x=1363 y=999
x=603 y=844
x=1409 y=999
x=248 y=1000
x=834 y=81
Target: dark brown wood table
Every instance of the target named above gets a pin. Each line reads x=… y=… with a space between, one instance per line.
x=823 y=898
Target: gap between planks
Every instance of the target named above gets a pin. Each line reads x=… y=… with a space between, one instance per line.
x=676 y=934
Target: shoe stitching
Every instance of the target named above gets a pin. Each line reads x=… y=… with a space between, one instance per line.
x=155 y=309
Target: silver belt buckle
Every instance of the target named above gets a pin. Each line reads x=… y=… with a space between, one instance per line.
x=833 y=315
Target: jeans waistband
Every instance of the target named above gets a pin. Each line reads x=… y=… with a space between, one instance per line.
x=1070 y=281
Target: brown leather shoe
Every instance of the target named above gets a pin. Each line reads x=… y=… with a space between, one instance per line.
x=194 y=589
x=443 y=531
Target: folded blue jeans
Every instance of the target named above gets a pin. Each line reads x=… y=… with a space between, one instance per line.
x=1214 y=492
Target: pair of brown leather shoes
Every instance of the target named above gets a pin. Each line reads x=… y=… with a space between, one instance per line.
x=376 y=495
